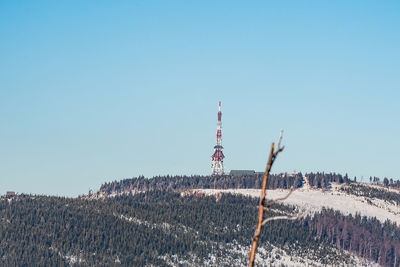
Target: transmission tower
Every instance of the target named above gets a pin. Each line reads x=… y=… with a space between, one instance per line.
x=217 y=165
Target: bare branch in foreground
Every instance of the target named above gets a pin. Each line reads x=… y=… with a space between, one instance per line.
x=261 y=222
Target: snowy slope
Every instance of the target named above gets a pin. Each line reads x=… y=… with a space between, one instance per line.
x=312 y=200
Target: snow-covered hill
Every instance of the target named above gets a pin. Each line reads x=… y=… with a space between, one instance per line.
x=369 y=243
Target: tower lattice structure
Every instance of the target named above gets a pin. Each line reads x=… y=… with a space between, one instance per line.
x=217 y=165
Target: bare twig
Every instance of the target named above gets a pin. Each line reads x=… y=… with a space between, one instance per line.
x=280 y=139
x=279 y=199
x=279 y=218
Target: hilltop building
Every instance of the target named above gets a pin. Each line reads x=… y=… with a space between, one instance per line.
x=242 y=172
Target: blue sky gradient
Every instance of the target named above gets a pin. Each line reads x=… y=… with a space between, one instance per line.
x=97 y=91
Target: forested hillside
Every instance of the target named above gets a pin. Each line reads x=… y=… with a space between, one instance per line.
x=163 y=222
x=164 y=228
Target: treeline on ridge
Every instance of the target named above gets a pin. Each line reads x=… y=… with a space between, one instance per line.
x=166 y=183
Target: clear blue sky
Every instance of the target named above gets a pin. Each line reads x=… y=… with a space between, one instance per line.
x=95 y=91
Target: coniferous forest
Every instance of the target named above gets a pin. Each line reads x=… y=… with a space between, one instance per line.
x=160 y=224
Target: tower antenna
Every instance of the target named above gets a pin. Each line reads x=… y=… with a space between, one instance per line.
x=217 y=165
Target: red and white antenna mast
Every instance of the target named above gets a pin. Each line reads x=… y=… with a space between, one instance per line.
x=217 y=165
